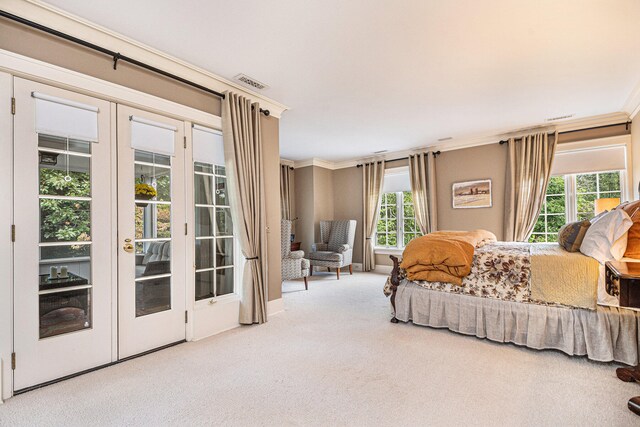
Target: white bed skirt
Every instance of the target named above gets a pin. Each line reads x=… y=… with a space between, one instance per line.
x=605 y=335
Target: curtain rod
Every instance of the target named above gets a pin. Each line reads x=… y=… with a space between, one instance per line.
x=117 y=56
x=580 y=130
x=435 y=154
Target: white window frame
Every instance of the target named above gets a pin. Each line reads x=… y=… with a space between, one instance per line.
x=400 y=219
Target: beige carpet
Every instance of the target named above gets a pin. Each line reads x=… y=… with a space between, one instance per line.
x=333 y=358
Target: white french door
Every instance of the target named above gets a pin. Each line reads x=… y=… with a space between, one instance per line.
x=63 y=239
x=151 y=231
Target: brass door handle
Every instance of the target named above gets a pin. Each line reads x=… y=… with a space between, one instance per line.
x=128 y=246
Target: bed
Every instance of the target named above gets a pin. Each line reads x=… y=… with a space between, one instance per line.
x=534 y=295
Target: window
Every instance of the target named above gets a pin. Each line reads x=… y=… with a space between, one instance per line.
x=571 y=197
x=214 y=239
x=397 y=222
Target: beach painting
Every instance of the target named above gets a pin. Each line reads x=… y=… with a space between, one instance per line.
x=472 y=194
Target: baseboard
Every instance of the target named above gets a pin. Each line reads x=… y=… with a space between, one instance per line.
x=274 y=307
x=383 y=269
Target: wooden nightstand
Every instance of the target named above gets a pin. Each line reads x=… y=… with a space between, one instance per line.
x=622 y=279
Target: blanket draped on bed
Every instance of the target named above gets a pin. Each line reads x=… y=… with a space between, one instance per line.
x=443 y=256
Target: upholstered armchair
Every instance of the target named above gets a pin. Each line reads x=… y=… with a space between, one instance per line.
x=294 y=266
x=336 y=248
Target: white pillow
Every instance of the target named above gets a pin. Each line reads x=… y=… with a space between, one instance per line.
x=606 y=239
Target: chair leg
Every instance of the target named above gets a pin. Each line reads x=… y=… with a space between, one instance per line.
x=351 y=269
x=306 y=285
x=311 y=270
x=338 y=272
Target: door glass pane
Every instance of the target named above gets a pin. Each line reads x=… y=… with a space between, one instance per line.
x=224 y=252
x=213 y=251
x=224 y=281
x=204 y=284
x=152 y=241
x=64 y=186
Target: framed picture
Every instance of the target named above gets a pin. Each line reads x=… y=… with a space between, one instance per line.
x=472 y=194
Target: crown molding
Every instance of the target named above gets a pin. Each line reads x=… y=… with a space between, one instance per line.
x=58 y=19
x=287 y=162
x=632 y=106
x=476 y=141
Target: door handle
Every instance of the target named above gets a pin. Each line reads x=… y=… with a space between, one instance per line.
x=128 y=246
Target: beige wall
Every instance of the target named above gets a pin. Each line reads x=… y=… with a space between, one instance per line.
x=304 y=207
x=348 y=203
x=635 y=155
x=322 y=198
x=487 y=161
x=35 y=44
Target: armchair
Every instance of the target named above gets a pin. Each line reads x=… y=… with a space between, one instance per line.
x=336 y=247
x=294 y=266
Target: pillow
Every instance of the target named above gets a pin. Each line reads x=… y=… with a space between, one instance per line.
x=571 y=235
x=633 y=242
x=606 y=238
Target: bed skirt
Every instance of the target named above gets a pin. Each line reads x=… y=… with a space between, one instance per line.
x=606 y=334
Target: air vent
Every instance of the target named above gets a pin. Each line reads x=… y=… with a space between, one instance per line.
x=445 y=139
x=553 y=119
x=380 y=152
x=250 y=81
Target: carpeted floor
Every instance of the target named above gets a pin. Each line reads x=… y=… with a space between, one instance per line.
x=333 y=358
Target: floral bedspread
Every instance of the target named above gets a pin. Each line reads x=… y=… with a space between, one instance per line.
x=500 y=271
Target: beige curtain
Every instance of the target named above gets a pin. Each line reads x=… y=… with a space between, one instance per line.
x=372 y=179
x=528 y=171
x=286 y=178
x=245 y=172
x=422 y=172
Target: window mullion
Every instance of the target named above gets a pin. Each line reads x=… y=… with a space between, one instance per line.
x=399 y=220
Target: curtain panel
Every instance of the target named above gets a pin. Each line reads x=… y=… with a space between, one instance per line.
x=245 y=170
x=422 y=173
x=286 y=179
x=528 y=171
x=372 y=180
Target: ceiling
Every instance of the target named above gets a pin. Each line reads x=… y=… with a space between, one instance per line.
x=367 y=75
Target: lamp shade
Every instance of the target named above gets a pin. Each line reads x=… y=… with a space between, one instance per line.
x=606 y=204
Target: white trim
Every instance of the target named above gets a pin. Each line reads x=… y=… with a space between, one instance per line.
x=474 y=141
x=287 y=162
x=78 y=27
x=152 y=123
x=388 y=251
x=275 y=307
x=38 y=71
x=632 y=105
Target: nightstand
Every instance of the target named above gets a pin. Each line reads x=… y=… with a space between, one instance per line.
x=622 y=279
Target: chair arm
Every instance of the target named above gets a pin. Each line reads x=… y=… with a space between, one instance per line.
x=296 y=254
x=343 y=248
x=315 y=247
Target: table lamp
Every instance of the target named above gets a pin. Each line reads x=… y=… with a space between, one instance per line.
x=606 y=204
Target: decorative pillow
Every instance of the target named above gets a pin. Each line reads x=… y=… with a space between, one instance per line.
x=571 y=235
x=633 y=242
x=606 y=238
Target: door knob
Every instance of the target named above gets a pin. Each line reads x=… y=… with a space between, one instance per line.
x=128 y=246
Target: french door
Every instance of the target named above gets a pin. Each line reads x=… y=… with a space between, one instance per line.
x=62 y=216
x=151 y=231
x=99 y=216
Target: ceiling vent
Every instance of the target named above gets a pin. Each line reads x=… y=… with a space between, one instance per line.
x=380 y=152
x=250 y=81
x=445 y=139
x=554 y=119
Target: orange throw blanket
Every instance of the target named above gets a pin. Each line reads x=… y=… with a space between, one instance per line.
x=443 y=256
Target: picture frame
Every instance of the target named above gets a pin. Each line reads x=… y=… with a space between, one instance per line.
x=471 y=194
